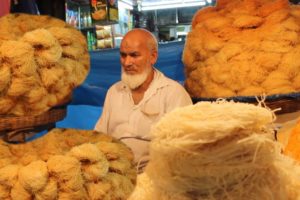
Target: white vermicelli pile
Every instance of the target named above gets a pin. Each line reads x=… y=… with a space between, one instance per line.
x=218 y=151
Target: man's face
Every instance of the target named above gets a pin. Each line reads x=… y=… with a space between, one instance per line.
x=135 y=57
x=136 y=60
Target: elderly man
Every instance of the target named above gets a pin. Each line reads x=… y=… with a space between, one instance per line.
x=142 y=97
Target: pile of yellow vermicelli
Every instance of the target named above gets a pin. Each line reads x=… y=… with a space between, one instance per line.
x=217 y=151
x=239 y=47
x=42 y=59
x=67 y=164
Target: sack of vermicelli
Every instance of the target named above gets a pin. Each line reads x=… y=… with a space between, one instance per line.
x=42 y=59
x=67 y=164
x=243 y=48
x=218 y=151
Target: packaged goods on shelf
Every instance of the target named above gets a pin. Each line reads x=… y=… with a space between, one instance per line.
x=113 y=11
x=103 y=33
x=99 y=10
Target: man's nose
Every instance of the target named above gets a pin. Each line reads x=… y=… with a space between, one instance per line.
x=127 y=61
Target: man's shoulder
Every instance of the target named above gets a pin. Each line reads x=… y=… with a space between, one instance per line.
x=117 y=86
x=172 y=87
x=170 y=82
x=115 y=89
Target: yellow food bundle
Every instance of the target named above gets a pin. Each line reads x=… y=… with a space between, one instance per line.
x=67 y=164
x=42 y=59
x=242 y=48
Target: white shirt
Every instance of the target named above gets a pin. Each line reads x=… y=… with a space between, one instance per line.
x=132 y=123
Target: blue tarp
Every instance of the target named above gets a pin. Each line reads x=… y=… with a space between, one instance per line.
x=81 y=117
x=105 y=70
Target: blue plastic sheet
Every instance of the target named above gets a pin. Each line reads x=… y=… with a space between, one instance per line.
x=81 y=117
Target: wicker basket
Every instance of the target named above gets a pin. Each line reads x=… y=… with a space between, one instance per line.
x=18 y=128
x=287 y=103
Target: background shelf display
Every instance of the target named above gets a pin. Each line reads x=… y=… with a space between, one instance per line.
x=101 y=32
x=167 y=21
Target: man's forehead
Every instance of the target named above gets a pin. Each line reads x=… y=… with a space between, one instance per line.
x=133 y=45
x=128 y=51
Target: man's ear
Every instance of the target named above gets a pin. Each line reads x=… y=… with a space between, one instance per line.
x=154 y=56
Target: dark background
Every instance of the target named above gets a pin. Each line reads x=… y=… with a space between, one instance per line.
x=55 y=8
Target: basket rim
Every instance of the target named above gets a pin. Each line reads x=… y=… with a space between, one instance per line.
x=282 y=105
x=250 y=99
x=9 y=122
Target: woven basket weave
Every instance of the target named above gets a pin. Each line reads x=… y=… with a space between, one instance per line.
x=18 y=128
x=13 y=122
x=285 y=105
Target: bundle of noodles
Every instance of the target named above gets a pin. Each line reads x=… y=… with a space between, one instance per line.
x=221 y=150
x=243 y=48
x=67 y=164
x=42 y=59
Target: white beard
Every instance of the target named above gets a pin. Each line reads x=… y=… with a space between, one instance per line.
x=134 y=81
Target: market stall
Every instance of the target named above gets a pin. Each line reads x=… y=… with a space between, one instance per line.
x=239 y=64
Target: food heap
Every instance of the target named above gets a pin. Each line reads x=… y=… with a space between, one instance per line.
x=243 y=48
x=67 y=164
x=292 y=147
x=42 y=59
x=217 y=151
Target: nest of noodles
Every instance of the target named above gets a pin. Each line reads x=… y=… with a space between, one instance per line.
x=42 y=59
x=243 y=48
x=67 y=164
x=221 y=150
